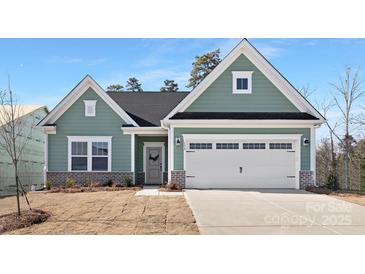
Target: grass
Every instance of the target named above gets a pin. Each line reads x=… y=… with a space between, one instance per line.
x=352 y=197
x=107 y=212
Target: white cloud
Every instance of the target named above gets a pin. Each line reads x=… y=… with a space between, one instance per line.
x=269 y=51
x=76 y=60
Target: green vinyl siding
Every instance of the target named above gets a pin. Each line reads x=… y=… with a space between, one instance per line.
x=305 y=150
x=265 y=97
x=74 y=123
x=31 y=164
x=139 y=149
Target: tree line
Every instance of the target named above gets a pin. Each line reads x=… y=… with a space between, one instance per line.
x=341 y=154
x=201 y=67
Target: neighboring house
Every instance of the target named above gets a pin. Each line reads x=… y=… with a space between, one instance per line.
x=243 y=126
x=31 y=165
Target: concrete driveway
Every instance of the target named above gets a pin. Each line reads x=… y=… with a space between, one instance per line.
x=273 y=212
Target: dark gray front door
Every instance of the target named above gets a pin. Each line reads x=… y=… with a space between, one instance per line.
x=153 y=165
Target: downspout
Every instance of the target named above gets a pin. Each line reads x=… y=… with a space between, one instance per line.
x=169 y=167
x=315 y=152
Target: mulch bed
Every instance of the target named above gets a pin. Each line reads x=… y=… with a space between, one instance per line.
x=12 y=221
x=166 y=189
x=91 y=189
x=324 y=190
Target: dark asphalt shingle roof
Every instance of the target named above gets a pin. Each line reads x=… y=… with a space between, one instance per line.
x=147 y=108
x=243 y=116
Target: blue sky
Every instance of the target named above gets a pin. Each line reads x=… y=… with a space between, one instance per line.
x=44 y=70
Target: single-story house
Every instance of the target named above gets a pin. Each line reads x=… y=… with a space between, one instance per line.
x=243 y=126
x=31 y=164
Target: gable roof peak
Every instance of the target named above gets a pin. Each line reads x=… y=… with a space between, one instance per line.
x=86 y=83
x=247 y=49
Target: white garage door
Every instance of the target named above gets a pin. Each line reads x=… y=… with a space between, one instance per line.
x=241 y=164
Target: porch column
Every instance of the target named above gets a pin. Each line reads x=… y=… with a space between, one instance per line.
x=170 y=162
x=133 y=150
x=45 y=168
x=313 y=153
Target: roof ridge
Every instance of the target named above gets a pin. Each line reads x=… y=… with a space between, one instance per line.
x=148 y=92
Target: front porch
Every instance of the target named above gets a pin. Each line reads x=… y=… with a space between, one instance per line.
x=151 y=160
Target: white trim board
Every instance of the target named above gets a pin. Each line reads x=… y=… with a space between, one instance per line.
x=76 y=92
x=243 y=123
x=153 y=144
x=245 y=48
x=146 y=131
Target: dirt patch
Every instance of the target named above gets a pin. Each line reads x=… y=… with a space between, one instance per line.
x=12 y=221
x=166 y=189
x=352 y=197
x=107 y=212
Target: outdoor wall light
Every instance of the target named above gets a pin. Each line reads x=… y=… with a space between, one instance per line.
x=178 y=141
x=306 y=142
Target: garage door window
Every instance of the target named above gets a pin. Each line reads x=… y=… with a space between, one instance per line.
x=226 y=146
x=281 y=146
x=253 y=145
x=200 y=146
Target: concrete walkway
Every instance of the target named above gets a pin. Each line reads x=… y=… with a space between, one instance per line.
x=273 y=212
x=155 y=191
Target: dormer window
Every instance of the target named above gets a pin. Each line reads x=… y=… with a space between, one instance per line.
x=90 y=108
x=242 y=82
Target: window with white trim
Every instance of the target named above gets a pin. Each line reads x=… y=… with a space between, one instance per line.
x=90 y=108
x=242 y=82
x=281 y=146
x=226 y=145
x=79 y=156
x=100 y=156
x=89 y=154
x=253 y=145
x=200 y=145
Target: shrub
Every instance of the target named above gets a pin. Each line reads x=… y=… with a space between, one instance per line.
x=108 y=183
x=70 y=183
x=128 y=181
x=174 y=186
x=332 y=181
x=49 y=184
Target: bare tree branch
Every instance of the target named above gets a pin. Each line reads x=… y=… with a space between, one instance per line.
x=14 y=132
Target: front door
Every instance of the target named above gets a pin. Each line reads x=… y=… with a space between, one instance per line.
x=153 y=165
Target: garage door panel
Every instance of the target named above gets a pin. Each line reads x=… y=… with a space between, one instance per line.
x=240 y=168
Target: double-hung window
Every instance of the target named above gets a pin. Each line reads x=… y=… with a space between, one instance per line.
x=89 y=153
x=79 y=156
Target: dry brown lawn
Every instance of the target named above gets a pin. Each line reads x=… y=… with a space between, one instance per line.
x=107 y=212
x=350 y=197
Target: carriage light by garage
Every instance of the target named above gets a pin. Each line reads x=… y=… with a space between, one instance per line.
x=178 y=141
x=306 y=141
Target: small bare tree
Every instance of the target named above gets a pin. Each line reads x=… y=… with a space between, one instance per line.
x=306 y=91
x=14 y=133
x=325 y=107
x=348 y=92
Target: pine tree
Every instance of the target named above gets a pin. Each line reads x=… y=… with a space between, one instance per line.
x=202 y=66
x=115 y=87
x=134 y=85
x=170 y=86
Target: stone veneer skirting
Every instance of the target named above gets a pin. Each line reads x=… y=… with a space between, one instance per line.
x=140 y=178
x=306 y=179
x=178 y=176
x=82 y=178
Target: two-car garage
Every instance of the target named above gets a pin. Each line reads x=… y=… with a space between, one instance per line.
x=242 y=161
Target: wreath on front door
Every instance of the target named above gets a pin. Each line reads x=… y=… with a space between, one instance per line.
x=154 y=158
